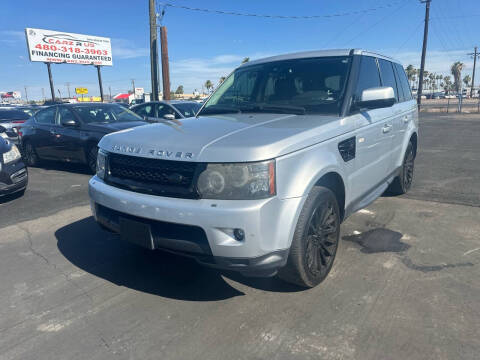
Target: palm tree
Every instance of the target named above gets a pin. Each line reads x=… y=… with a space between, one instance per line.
x=466 y=80
x=208 y=85
x=456 y=70
x=411 y=72
x=448 y=83
x=432 y=76
x=221 y=80
x=245 y=59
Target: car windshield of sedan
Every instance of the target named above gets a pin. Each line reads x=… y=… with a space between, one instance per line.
x=105 y=113
x=187 y=109
x=297 y=86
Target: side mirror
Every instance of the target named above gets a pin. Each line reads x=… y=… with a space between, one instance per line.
x=2 y=129
x=69 y=123
x=376 y=98
x=169 y=117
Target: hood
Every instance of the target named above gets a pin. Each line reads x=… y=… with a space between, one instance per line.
x=226 y=138
x=114 y=126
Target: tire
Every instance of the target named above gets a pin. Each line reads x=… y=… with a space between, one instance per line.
x=92 y=159
x=315 y=240
x=403 y=182
x=30 y=156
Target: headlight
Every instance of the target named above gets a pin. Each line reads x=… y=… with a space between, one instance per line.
x=101 y=163
x=3 y=135
x=238 y=181
x=11 y=155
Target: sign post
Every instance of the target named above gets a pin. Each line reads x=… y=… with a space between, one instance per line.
x=100 y=81
x=52 y=90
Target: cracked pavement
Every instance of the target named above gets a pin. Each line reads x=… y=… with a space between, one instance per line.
x=405 y=283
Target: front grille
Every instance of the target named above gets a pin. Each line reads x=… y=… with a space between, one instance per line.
x=19 y=176
x=153 y=176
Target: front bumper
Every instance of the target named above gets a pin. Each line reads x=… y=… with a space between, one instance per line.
x=13 y=178
x=268 y=225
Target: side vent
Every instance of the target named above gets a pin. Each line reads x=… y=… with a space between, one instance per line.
x=347 y=148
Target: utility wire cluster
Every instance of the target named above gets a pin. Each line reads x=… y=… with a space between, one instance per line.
x=293 y=17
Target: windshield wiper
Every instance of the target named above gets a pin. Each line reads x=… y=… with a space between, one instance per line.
x=218 y=109
x=271 y=108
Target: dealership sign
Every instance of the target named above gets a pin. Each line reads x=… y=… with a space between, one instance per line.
x=81 y=91
x=59 y=47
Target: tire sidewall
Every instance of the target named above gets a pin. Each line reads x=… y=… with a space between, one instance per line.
x=93 y=150
x=31 y=157
x=409 y=149
x=317 y=196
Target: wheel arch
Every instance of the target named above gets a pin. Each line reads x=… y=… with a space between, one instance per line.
x=334 y=182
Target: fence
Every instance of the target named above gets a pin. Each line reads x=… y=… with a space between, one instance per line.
x=451 y=105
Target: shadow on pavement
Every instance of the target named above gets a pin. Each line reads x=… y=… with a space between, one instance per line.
x=104 y=255
x=64 y=166
x=10 y=197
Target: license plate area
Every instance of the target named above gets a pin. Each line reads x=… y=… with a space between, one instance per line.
x=136 y=232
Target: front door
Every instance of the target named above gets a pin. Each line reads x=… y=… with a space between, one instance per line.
x=68 y=144
x=44 y=140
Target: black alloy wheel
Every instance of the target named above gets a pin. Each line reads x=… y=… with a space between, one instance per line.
x=322 y=240
x=315 y=241
x=31 y=157
x=92 y=159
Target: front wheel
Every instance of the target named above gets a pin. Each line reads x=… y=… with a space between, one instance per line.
x=92 y=159
x=31 y=157
x=315 y=241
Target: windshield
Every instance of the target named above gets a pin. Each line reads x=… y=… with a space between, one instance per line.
x=187 y=109
x=8 y=115
x=105 y=113
x=298 y=86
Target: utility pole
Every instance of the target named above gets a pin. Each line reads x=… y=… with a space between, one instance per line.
x=165 y=65
x=99 y=74
x=43 y=94
x=475 y=55
x=153 y=49
x=110 y=92
x=26 y=95
x=68 y=88
x=133 y=86
x=60 y=94
x=52 y=91
x=424 y=51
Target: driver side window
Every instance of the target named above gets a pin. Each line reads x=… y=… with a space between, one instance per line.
x=63 y=115
x=368 y=77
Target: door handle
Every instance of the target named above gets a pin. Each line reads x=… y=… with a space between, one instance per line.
x=386 y=128
x=406 y=119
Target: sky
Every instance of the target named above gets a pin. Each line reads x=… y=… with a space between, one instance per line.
x=205 y=46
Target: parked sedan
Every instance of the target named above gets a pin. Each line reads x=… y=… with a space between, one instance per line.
x=13 y=173
x=169 y=110
x=71 y=132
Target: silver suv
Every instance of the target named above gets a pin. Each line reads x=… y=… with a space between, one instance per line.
x=259 y=181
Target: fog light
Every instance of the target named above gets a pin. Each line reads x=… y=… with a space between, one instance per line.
x=239 y=234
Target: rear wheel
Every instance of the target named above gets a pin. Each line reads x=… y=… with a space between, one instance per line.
x=31 y=157
x=315 y=241
x=403 y=182
x=92 y=159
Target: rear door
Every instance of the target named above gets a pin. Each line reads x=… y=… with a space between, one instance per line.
x=43 y=139
x=408 y=110
x=68 y=140
x=373 y=143
x=387 y=74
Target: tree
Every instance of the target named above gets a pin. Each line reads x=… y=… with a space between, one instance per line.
x=411 y=72
x=208 y=85
x=222 y=79
x=179 y=90
x=466 y=80
x=245 y=59
x=432 y=77
x=448 y=84
x=456 y=70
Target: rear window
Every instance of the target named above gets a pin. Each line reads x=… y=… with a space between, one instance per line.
x=8 y=115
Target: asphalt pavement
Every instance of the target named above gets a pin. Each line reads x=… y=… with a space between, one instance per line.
x=405 y=283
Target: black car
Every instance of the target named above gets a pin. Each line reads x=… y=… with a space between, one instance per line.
x=71 y=132
x=169 y=110
x=13 y=173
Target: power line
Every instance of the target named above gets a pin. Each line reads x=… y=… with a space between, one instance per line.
x=294 y=17
x=375 y=24
x=414 y=32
